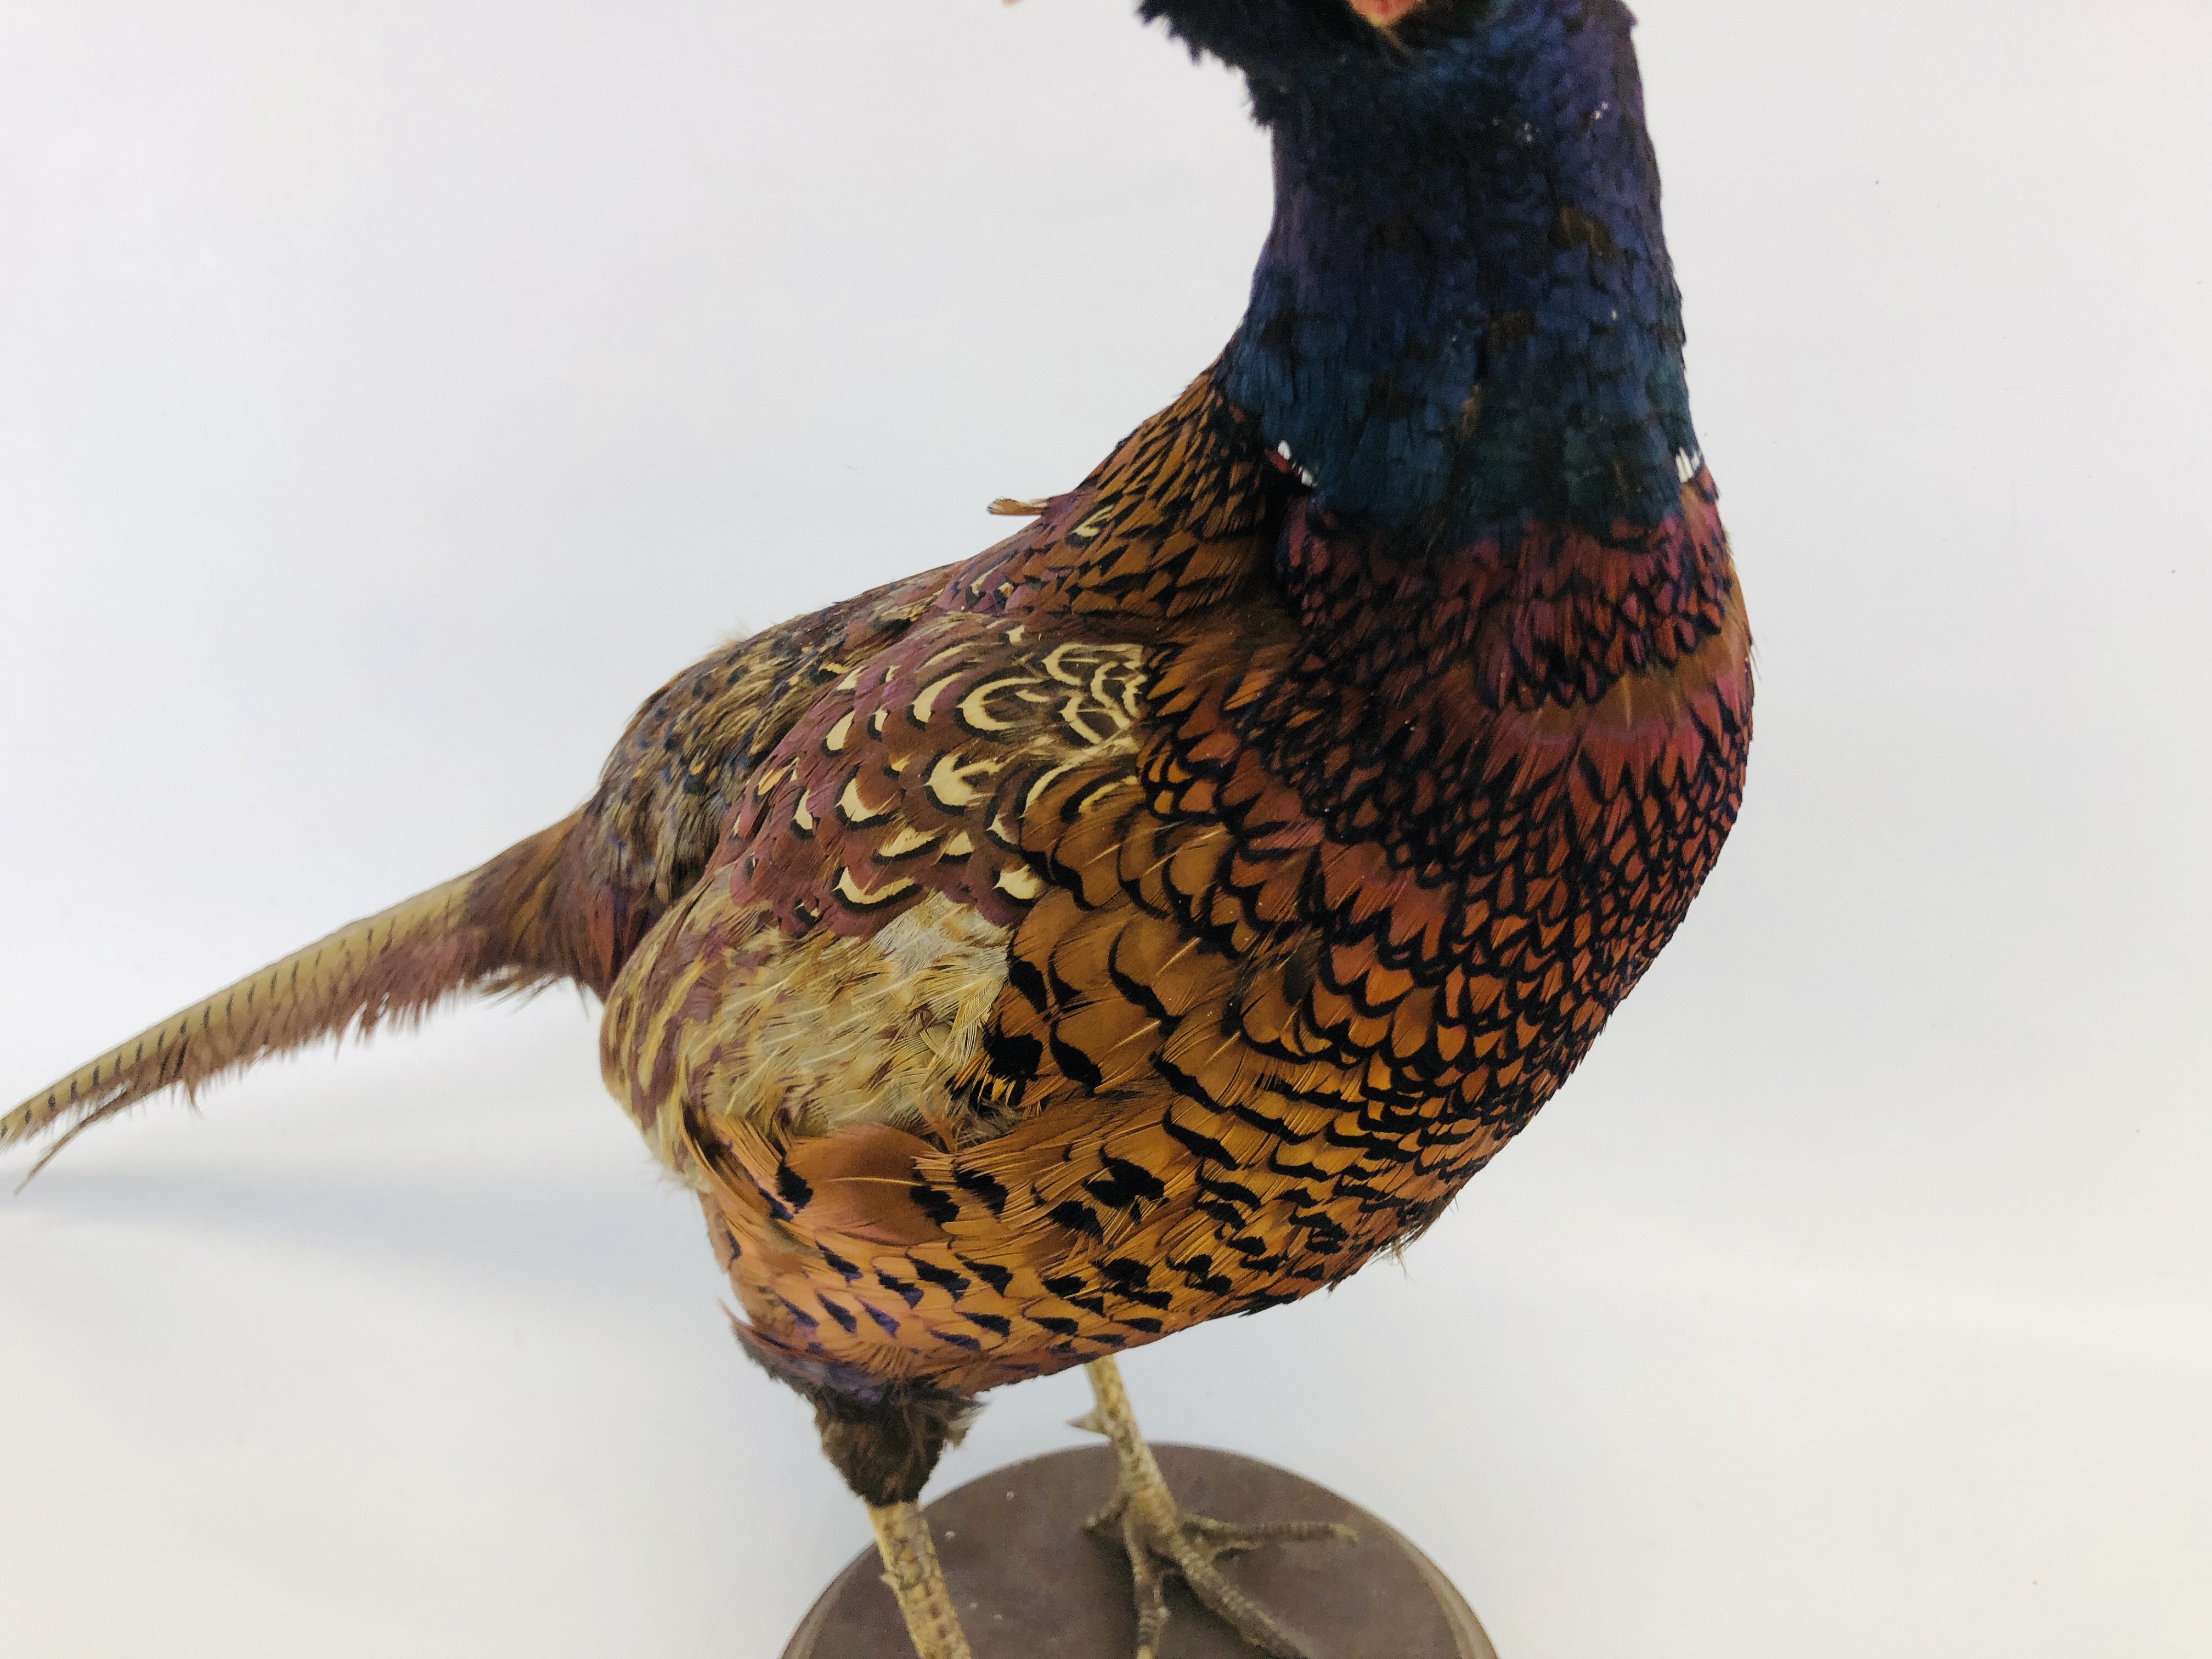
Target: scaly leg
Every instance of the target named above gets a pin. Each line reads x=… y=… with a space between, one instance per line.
x=1162 y=1539
x=910 y=1568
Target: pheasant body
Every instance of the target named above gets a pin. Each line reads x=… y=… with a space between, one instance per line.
x=1208 y=880
x=1159 y=914
x=1092 y=961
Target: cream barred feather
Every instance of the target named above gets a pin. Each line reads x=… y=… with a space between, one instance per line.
x=478 y=930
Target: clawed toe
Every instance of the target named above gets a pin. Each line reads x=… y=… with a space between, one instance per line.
x=1229 y=1535
x=1161 y=1538
x=1187 y=1546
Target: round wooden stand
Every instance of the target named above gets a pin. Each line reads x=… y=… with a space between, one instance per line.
x=1030 y=1584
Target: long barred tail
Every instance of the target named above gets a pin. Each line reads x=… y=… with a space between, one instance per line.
x=505 y=927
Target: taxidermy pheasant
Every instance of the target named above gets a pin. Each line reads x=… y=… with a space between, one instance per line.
x=1161 y=913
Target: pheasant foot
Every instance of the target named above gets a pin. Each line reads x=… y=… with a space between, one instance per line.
x=1163 y=1539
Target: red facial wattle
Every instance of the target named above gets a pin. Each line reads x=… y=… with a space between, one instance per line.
x=1384 y=14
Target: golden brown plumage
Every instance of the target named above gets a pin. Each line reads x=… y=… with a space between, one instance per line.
x=1026 y=1013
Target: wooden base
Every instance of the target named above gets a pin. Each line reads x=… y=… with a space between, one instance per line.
x=1030 y=1584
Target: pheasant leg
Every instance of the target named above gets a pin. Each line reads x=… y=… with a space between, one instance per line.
x=1163 y=1539
x=910 y=1568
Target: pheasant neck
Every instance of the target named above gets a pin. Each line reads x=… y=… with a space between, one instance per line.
x=1464 y=319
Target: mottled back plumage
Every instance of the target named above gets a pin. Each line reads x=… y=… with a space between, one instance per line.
x=1092 y=959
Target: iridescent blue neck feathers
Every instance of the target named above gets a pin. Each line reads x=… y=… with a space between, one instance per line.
x=1464 y=318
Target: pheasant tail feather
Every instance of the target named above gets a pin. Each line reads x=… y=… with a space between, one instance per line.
x=498 y=927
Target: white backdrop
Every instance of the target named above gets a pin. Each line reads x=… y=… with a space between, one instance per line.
x=390 y=396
